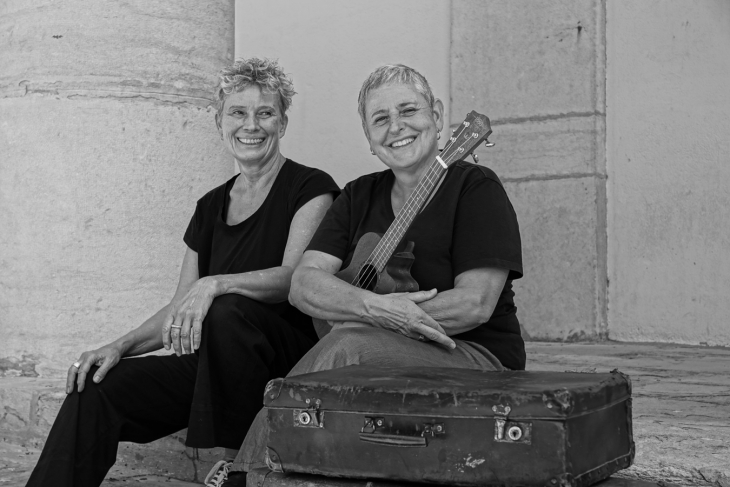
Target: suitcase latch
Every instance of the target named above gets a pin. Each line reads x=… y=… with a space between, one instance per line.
x=506 y=431
x=311 y=417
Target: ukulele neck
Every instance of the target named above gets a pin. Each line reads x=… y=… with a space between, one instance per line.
x=413 y=205
x=472 y=131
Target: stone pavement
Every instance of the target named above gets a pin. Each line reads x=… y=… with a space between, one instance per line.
x=681 y=418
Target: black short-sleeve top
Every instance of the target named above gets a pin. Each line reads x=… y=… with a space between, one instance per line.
x=259 y=241
x=468 y=224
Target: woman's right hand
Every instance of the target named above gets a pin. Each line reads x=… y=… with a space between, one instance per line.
x=183 y=327
x=105 y=358
x=399 y=312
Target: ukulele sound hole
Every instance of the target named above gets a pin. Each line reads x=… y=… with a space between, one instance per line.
x=367 y=277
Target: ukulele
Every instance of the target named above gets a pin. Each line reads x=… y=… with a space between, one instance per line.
x=375 y=264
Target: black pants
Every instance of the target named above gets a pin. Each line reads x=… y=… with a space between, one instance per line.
x=215 y=393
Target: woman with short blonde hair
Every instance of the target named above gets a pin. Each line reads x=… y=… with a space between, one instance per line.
x=229 y=322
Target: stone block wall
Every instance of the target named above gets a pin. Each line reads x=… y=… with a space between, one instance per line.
x=537 y=69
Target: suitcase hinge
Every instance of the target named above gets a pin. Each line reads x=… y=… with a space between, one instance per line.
x=273 y=389
x=311 y=417
x=506 y=431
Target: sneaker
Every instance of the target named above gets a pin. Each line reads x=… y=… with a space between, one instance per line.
x=218 y=474
x=235 y=479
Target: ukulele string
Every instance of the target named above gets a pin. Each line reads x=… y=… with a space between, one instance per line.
x=434 y=172
x=376 y=258
x=380 y=255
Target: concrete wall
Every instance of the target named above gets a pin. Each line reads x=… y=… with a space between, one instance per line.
x=330 y=47
x=669 y=167
x=537 y=68
x=107 y=139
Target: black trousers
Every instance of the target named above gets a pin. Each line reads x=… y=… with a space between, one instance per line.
x=215 y=393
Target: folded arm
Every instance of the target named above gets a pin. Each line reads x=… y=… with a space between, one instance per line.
x=470 y=303
x=317 y=292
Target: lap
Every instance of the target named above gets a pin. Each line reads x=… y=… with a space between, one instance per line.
x=376 y=346
x=236 y=313
x=367 y=346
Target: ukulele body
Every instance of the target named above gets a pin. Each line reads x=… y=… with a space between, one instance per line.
x=395 y=278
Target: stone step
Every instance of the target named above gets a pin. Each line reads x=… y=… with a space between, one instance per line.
x=681 y=399
x=28 y=407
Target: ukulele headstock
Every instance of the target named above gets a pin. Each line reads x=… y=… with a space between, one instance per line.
x=474 y=130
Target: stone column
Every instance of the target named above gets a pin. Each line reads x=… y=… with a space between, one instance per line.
x=537 y=69
x=107 y=139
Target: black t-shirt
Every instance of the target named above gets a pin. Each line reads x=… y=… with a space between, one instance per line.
x=469 y=223
x=259 y=241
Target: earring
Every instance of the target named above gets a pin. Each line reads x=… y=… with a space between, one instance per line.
x=438 y=135
x=372 y=152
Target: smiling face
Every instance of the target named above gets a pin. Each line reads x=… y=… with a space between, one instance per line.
x=251 y=124
x=401 y=127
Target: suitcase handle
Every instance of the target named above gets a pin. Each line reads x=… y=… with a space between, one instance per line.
x=394 y=440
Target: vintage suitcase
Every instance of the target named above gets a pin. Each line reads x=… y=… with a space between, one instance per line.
x=451 y=426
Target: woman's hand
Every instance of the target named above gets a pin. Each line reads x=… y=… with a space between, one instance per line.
x=183 y=325
x=105 y=358
x=399 y=312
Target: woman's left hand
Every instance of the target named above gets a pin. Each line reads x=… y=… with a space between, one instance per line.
x=183 y=325
x=400 y=313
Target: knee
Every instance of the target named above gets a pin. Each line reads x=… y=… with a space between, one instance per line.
x=344 y=347
x=230 y=317
x=224 y=307
x=93 y=395
x=352 y=339
x=227 y=309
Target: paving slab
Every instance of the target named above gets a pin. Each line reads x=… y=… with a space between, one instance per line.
x=681 y=402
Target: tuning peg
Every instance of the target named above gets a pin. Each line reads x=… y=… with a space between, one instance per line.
x=488 y=144
x=475 y=157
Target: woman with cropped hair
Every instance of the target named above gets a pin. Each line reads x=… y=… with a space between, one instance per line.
x=465 y=240
x=229 y=322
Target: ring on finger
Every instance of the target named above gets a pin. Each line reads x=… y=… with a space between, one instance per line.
x=176 y=326
x=76 y=364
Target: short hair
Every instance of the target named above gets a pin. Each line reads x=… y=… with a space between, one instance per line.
x=264 y=73
x=394 y=74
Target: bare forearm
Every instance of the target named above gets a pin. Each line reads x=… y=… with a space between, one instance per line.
x=458 y=310
x=143 y=339
x=322 y=295
x=267 y=285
